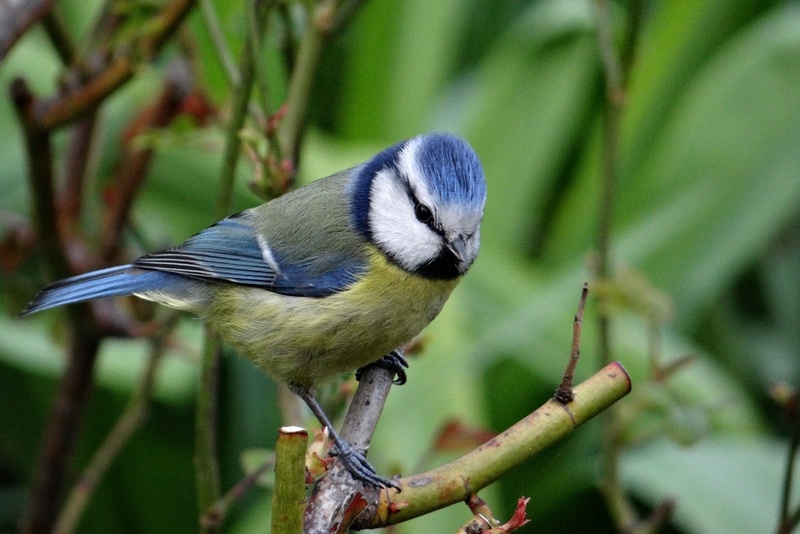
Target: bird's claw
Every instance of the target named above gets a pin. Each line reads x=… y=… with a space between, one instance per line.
x=394 y=361
x=358 y=466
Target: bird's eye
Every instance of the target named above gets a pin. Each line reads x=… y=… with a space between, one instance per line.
x=423 y=213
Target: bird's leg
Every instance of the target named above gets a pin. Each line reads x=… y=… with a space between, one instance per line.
x=353 y=459
x=394 y=361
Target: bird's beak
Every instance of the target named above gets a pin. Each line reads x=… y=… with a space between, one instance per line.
x=457 y=248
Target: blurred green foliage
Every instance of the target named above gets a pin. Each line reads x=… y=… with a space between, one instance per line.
x=706 y=230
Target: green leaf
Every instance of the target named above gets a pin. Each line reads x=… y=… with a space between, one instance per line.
x=721 y=486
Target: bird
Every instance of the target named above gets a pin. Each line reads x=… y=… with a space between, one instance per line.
x=330 y=277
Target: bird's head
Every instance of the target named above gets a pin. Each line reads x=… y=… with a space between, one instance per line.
x=421 y=203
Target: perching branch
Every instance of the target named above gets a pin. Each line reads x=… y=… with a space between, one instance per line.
x=447 y=484
x=334 y=503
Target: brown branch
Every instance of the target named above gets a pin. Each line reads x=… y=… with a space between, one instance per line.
x=564 y=393
x=50 y=478
x=38 y=119
x=215 y=516
x=129 y=421
x=16 y=18
x=73 y=393
x=70 y=200
x=41 y=181
x=335 y=495
x=75 y=102
x=132 y=171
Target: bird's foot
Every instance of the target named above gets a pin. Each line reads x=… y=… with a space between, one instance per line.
x=357 y=465
x=394 y=361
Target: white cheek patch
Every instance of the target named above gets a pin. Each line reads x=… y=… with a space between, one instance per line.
x=395 y=228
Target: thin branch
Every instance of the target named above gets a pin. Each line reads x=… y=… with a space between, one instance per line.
x=564 y=393
x=205 y=455
x=58 y=445
x=327 y=19
x=55 y=112
x=59 y=37
x=257 y=18
x=224 y=55
x=16 y=18
x=131 y=419
x=206 y=461
x=215 y=516
x=788 y=398
x=70 y=199
x=444 y=485
x=616 y=74
x=625 y=517
x=613 y=110
x=791 y=458
x=40 y=172
x=233 y=143
x=211 y=21
x=73 y=392
x=132 y=171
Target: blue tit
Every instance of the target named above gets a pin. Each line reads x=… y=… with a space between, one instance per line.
x=327 y=278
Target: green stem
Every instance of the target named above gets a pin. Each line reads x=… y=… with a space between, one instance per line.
x=787 y=523
x=327 y=19
x=206 y=463
x=241 y=102
x=211 y=21
x=293 y=122
x=288 y=499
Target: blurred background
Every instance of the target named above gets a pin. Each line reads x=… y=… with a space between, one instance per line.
x=702 y=289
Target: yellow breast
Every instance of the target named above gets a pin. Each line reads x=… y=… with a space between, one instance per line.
x=302 y=340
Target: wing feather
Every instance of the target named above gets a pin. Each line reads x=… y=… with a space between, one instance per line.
x=232 y=252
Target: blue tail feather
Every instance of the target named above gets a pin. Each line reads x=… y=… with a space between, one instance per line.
x=111 y=282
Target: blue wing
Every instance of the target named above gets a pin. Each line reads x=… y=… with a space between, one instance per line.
x=231 y=251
